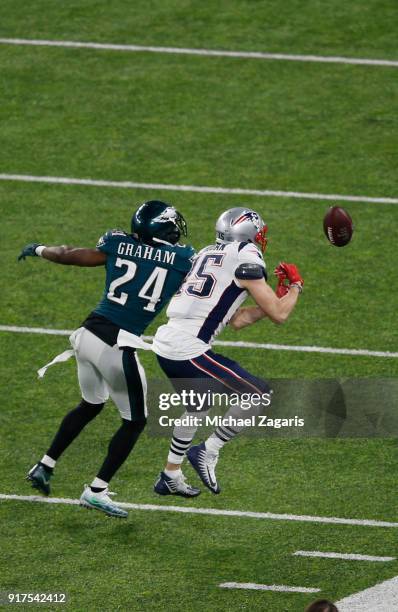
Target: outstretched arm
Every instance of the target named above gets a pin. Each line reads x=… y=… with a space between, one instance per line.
x=66 y=255
x=278 y=310
x=276 y=306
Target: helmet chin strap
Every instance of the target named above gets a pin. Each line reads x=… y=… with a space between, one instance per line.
x=161 y=241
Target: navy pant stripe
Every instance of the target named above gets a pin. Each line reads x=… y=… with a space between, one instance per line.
x=213 y=365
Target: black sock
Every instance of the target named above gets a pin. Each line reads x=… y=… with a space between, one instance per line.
x=72 y=424
x=120 y=447
x=97 y=489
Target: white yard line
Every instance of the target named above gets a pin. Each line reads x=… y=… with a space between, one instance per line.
x=267 y=587
x=213 y=511
x=59 y=180
x=382 y=597
x=234 y=344
x=259 y=55
x=333 y=555
x=305 y=349
x=36 y=330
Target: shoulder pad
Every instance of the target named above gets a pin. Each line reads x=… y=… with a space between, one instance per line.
x=184 y=250
x=109 y=235
x=248 y=248
x=250 y=271
x=242 y=245
x=190 y=253
x=117 y=232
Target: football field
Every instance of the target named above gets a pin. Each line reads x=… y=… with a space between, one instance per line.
x=287 y=108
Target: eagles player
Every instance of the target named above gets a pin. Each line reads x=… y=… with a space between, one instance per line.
x=221 y=278
x=143 y=271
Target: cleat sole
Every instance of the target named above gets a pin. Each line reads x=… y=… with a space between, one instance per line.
x=184 y=495
x=84 y=504
x=36 y=485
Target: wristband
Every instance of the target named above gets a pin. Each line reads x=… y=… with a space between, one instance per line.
x=298 y=286
x=39 y=250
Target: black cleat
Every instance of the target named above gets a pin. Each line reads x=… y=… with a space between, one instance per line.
x=40 y=478
x=174 y=486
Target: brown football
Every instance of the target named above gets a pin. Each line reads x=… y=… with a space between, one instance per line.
x=338 y=227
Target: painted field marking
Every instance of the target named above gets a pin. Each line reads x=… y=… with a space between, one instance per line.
x=59 y=180
x=382 y=597
x=259 y=55
x=265 y=587
x=234 y=344
x=36 y=330
x=271 y=516
x=347 y=556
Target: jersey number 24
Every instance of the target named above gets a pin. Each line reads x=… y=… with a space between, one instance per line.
x=151 y=290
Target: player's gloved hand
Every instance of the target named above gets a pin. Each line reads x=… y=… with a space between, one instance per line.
x=283 y=283
x=281 y=288
x=29 y=250
x=290 y=272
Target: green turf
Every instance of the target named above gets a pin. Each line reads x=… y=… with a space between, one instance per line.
x=180 y=552
x=338 y=28
x=221 y=122
x=357 y=280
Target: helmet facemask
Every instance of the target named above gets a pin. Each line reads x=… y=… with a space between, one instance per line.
x=174 y=225
x=261 y=238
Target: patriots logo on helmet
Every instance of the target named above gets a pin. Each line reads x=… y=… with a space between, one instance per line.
x=169 y=214
x=248 y=215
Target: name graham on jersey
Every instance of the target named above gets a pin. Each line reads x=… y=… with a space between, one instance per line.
x=146 y=252
x=262 y=420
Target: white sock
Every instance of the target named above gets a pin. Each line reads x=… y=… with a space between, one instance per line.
x=179 y=446
x=98 y=483
x=173 y=473
x=48 y=461
x=213 y=444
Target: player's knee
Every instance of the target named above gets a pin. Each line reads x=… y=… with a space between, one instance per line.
x=264 y=386
x=137 y=425
x=90 y=410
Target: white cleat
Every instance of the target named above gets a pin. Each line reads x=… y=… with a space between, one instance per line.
x=102 y=502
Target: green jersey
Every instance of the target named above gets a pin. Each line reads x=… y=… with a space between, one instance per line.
x=140 y=278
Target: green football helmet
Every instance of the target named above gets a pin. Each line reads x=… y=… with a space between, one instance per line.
x=156 y=221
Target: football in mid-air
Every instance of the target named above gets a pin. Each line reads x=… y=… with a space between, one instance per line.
x=338 y=227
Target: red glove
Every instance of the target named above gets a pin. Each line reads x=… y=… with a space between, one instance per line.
x=287 y=274
x=289 y=271
x=281 y=288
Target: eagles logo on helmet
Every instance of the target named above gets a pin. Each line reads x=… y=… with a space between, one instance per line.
x=156 y=221
x=170 y=214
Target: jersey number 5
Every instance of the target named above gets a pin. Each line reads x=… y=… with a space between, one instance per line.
x=151 y=290
x=200 y=282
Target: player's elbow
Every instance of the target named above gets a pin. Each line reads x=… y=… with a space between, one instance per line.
x=234 y=323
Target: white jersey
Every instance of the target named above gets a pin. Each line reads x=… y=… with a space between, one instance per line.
x=206 y=301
